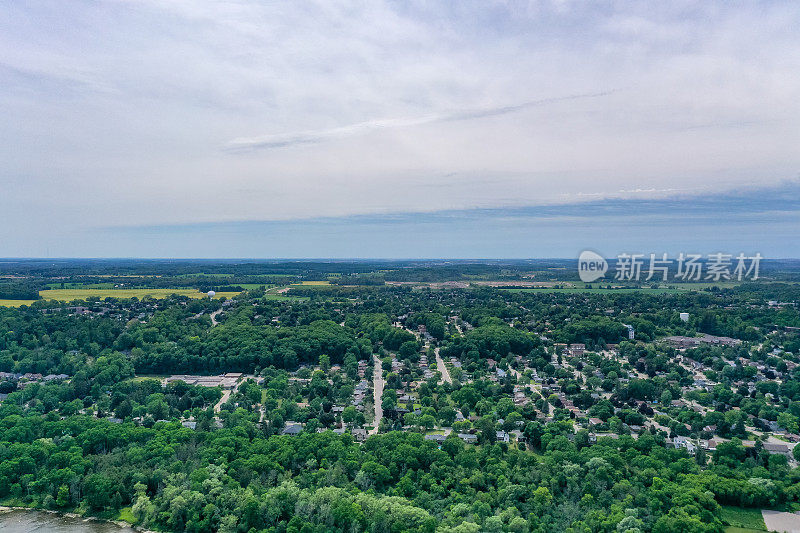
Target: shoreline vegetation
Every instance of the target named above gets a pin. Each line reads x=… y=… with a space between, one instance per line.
x=4 y=509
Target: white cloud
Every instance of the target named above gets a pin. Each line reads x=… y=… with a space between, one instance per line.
x=282 y=140
x=164 y=112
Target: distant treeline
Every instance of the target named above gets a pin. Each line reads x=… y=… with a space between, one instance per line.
x=222 y=288
x=19 y=290
x=361 y=279
x=203 y=274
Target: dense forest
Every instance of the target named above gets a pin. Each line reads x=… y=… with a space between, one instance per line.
x=91 y=424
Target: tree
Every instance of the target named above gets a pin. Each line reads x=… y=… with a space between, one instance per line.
x=350 y=414
x=486 y=426
x=325 y=362
x=427 y=421
x=788 y=421
x=62 y=498
x=447 y=415
x=98 y=490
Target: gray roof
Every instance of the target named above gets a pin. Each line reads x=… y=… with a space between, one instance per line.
x=292 y=429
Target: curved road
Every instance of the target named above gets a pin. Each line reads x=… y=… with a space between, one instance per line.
x=377 y=386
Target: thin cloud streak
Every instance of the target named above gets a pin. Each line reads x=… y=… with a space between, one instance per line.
x=760 y=220
x=686 y=209
x=283 y=140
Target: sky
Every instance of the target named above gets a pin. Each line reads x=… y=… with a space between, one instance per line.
x=472 y=129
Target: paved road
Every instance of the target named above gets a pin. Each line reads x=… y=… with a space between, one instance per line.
x=225 y=395
x=214 y=317
x=227 y=392
x=441 y=367
x=377 y=385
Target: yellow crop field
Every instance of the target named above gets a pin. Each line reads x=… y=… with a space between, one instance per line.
x=67 y=295
x=15 y=303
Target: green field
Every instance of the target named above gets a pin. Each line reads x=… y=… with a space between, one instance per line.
x=250 y=286
x=276 y=296
x=742 y=520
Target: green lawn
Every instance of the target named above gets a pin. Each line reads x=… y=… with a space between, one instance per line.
x=742 y=519
x=126 y=515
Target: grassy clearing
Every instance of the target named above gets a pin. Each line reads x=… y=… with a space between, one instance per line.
x=742 y=519
x=277 y=296
x=15 y=303
x=126 y=515
x=68 y=295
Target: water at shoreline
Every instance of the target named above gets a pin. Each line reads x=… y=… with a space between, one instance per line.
x=18 y=521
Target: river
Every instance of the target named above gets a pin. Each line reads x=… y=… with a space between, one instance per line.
x=41 y=522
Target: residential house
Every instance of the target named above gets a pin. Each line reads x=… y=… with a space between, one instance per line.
x=469 y=438
x=292 y=428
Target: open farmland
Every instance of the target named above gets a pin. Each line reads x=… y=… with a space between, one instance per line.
x=15 y=303
x=82 y=294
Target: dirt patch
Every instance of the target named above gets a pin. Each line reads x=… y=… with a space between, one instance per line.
x=781 y=522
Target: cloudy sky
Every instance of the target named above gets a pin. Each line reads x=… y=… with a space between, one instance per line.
x=398 y=129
